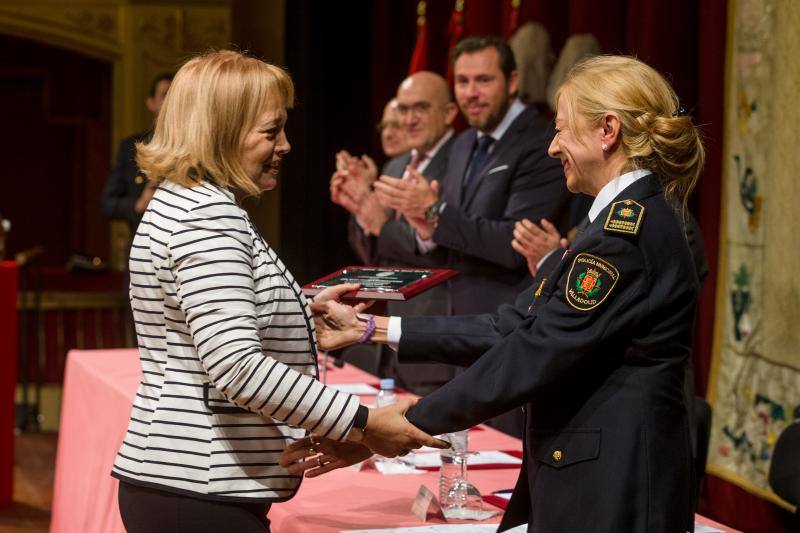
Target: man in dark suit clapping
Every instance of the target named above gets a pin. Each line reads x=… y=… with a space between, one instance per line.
x=498 y=173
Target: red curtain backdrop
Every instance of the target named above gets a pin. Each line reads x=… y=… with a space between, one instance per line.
x=683 y=39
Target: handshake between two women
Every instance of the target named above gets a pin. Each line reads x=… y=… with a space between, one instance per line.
x=387 y=432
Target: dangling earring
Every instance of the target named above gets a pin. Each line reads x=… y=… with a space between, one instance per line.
x=604 y=146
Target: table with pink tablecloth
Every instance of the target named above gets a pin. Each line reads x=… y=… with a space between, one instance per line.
x=99 y=387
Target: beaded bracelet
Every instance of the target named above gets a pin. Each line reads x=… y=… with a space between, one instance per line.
x=369 y=330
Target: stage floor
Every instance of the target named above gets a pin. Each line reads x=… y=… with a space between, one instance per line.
x=34 y=469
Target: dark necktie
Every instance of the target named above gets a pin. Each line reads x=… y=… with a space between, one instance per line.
x=479 y=157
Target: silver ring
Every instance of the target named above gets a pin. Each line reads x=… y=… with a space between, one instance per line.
x=319 y=461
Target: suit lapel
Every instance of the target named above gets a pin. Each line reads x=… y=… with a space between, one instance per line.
x=437 y=168
x=397 y=165
x=395 y=169
x=501 y=148
x=459 y=159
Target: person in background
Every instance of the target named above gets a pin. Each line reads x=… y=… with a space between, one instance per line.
x=498 y=173
x=597 y=348
x=394 y=142
x=226 y=338
x=426 y=112
x=353 y=177
x=127 y=192
x=535 y=58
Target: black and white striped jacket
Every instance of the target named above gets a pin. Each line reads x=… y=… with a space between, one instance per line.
x=227 y=348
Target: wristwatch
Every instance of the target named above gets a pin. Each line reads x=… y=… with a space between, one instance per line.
x=433 y=211
x=359 y=424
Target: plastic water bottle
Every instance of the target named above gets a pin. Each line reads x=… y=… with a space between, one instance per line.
x=386 y=396
x=453 y=486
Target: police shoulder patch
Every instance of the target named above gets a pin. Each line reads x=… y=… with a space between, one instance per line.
x=591 y=279
x=625 y=216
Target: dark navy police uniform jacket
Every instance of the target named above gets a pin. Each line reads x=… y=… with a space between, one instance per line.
x=596 y=350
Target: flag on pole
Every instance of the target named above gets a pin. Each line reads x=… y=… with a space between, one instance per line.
x=513 y=18
x=419 y=59
x=455 y=29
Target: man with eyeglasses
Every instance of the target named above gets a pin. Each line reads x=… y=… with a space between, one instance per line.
x=426 y=113
x=353 y=177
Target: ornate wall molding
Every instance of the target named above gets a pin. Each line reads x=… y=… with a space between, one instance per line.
x=88 y=28
x=140 y=40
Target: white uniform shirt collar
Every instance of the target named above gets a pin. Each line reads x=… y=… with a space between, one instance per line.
x=613 y=188
x=514 y=110
x=430 y=154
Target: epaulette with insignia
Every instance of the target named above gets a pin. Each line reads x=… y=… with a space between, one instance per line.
x=625 y=216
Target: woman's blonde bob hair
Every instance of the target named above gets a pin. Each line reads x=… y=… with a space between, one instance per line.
x=654 y=133
x=213 y=101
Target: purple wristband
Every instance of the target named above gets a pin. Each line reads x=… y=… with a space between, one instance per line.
x=369 y=331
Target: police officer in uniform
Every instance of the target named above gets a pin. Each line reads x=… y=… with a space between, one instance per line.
x=126 y=193
x=596 y=349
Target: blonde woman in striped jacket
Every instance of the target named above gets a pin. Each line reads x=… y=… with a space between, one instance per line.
x=226 y=338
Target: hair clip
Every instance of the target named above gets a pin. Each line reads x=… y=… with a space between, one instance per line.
x=679 y=112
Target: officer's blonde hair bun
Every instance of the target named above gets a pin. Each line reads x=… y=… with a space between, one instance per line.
x=655 y=133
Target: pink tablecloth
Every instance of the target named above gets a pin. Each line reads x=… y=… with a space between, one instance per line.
x=99 y=386
x=98 y=392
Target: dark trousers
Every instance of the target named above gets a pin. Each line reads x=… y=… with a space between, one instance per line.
x=148 y=510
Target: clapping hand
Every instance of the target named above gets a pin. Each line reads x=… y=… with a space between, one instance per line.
x=534 y=242
x=350 y=182
x=410 y=196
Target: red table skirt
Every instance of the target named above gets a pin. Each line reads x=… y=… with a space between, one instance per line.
x=9 y=277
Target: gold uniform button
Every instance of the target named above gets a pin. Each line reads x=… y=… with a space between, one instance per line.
x=557 y=455
x=139 y=180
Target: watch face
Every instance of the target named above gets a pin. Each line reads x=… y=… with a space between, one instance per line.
x=432 y=211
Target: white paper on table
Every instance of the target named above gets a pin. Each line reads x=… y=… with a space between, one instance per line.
x=359 y=389
x=443 y=528
x=702 y=528
x=484 y=457
x=391 y=467
x=470 y=514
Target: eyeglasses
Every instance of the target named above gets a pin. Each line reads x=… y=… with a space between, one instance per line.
x=380 y=126
x=418 y=108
